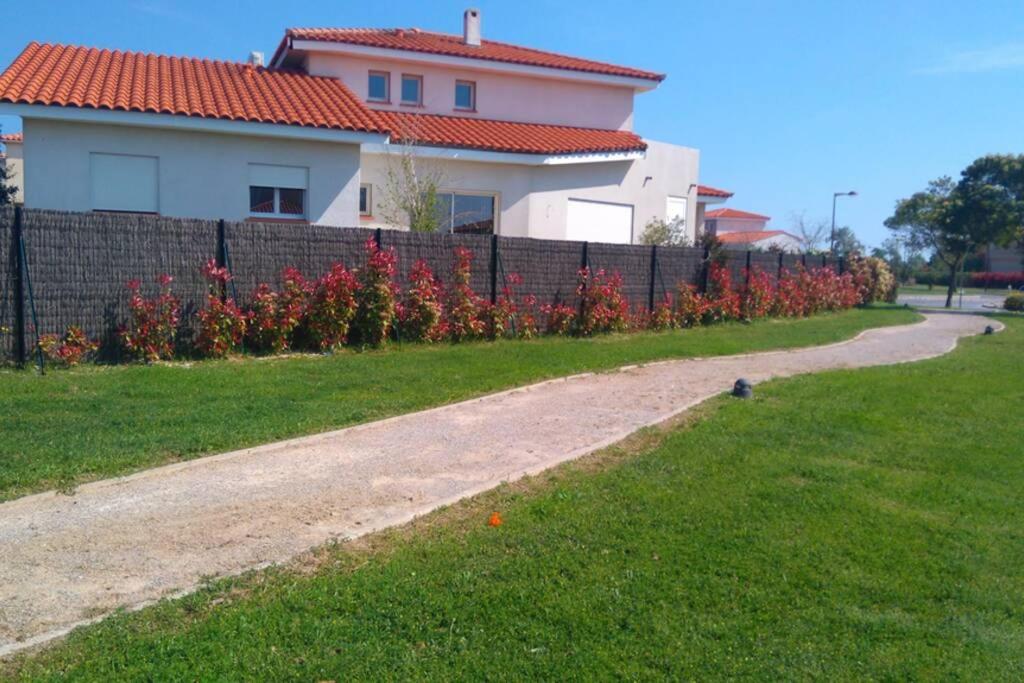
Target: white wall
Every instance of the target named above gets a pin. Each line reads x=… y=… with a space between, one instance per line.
x=534 y=200
x=201 y=175
x=498 y=96
x=15 y=163
x=739 y=224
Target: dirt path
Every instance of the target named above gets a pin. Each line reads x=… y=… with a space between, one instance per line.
x=66 y=560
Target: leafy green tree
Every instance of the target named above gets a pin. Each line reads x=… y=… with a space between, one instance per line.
x=664 y=233
x=7 y=188
x=847 y=243
x=956 y=219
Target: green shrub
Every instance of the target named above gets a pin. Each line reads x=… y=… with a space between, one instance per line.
x=1014 y=302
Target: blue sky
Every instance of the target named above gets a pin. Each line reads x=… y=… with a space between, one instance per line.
x=787 y=101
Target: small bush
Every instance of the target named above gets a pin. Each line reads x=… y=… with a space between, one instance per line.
x=757 y=295
x=558 y=319
x=330 y=308
x=376 y=296
x=1014 y=302
x=221 y=323
x=68 y=350
x=420 y=315
x=463 y=306
x=873 y=278
x=603 y=308
x=722 y=301
x=274 y=317
x=690 y=306
x=149 y=334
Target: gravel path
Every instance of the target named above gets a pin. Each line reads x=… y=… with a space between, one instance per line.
x=67 y=560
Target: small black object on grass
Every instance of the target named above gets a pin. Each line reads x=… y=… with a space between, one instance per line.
x=743 y=389
x=989 y=329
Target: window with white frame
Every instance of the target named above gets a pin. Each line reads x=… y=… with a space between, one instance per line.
x=464 y=213
x=124 y=182
x=365 y=199
x=278 y=191
x=379 y=87
x=412 y=89
x=465 y=95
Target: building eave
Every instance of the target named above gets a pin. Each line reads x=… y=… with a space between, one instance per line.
x=189 y=123
x=512 y=158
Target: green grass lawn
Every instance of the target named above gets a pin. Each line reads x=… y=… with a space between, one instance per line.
x=93 y=422
x=940 y=290
x=849 y=525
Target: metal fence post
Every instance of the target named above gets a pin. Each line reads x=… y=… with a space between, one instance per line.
x=221 y=257
x=654 y=270
x=20 y=353
x=706 y=272
x=494 y=269
x=779 y=275
x=803 y=259
x=748 y=269
x=378 y=236
x=842 y=265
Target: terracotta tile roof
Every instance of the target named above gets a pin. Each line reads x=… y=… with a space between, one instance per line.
x=750 y=236
x=506 y=136
x=130 y=81
x=708 y=191
x=735 y=213
x=11 y=137
x=415 y=40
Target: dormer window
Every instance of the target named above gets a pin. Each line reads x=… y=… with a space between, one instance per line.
x=379 y=87
x=412 y=90
x=465 y=95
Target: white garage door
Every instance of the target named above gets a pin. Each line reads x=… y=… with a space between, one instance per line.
x=600 y=222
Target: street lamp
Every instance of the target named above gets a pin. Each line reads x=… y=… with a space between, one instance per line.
x=835 y=196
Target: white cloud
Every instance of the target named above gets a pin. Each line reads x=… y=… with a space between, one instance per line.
x=997 y=58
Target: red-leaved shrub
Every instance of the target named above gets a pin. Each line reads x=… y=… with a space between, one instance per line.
x=462 y=305
x=376 y=296
x=722 y=302
x=690 y=306
x=420 y=313
x=149 y=334
x=757 y=294
x=273 y=317
x=499 y=318
x=68 y=350
x=221 y=323
x=558 y=318
x=330 y=308
x=603 y=307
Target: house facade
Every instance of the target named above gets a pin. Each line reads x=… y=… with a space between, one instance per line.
x=518 y=142
x=737 y=229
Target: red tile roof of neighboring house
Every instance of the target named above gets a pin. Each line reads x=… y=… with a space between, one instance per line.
x=708 y=191
x=11 y=137
x=130 y=81
x=415 y=40
x=749 y=236
x=507 y=136
x=735 y=213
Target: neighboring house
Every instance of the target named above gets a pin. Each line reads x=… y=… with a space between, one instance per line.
x=744 y=230
x=12 y=159
x=707 y=195
x=1004 y=259
x=528 y=143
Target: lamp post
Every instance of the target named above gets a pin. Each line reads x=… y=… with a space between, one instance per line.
x=835 y=196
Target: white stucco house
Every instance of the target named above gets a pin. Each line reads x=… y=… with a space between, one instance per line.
x=737 y=229
x=526 y=142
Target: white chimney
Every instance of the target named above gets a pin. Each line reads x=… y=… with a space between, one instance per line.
x=471 y=27
x=256 y=58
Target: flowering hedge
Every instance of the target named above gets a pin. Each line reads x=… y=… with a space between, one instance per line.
x=365 y=307
x=996 y=280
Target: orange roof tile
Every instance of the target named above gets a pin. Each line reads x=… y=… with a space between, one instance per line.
x=415 y=40
x=11 y=137
x=708 y=191
x=735 y=213
x=130 y=81
x=506 y=136
x=748 y=236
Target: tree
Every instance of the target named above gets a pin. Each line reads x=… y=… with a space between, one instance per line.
x=812 y=232
x=955 y=219
x=664 y=233
x=903 y=260
x=7 y=188
x=846 y=243
x=411 y=187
